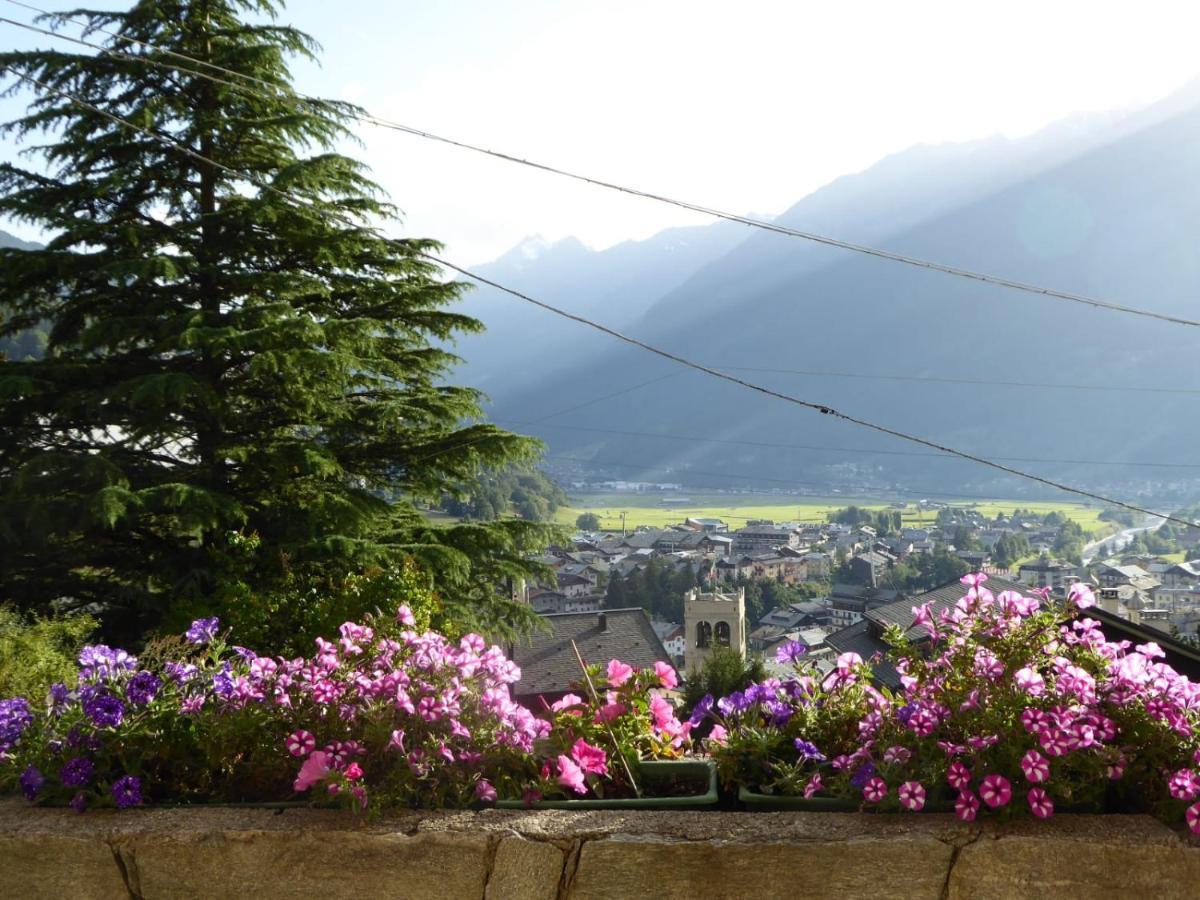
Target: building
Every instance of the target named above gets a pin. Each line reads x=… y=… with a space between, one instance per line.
x=549 y=667
x=754 y=539
x=712 y=620
x=1047 y=573
x=848 y=602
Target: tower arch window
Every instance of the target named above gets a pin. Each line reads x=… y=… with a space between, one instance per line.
x=704 y=634
x=722 y=634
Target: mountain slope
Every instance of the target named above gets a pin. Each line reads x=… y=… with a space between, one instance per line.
x=1114 y=215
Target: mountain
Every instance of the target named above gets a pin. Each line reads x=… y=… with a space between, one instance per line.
x=1109 y=208
x=522 y=343
x=31 y=343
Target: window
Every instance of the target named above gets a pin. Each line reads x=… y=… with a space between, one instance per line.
x=723 y=634
x=703 y=634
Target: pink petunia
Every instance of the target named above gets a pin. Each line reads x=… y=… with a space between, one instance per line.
x=315 y=768
x=912 y=796
x=405 y=616
x=875 y=790
x=995 y=790
x=958 y=776
x=567 y=701
x=661 y=710
x=1040 y=803
x=354 y=771
x=591 y=759
x=1054 y=742
x=484 y=791
x=1193 y=817
x=667 y=677
x=718 y=735
x=966 y=807
x=1184 y=785
x=570 y=775
x=814 y=785
x=1035 y=766
x=618 y=672
x=1081 y=595
x=609 y=712
x=300 y=743
x=1030 y=681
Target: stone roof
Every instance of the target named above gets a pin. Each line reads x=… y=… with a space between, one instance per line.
x=548 y=664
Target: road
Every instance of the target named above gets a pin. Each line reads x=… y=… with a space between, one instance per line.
x=1114 y=542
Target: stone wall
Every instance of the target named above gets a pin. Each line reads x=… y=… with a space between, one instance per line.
x=496 y=855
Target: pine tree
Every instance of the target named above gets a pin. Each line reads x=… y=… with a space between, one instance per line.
x=224 y=362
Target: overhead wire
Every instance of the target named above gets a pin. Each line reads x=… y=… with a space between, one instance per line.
x=824 y=409
x=369 y=118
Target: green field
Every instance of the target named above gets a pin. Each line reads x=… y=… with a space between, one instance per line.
x=647 y=509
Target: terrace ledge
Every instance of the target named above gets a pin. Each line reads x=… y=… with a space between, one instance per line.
x=219 y=852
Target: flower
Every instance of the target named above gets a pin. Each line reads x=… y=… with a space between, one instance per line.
x=966 y=807
x=78 y=802
x=667 y=677
x=591 y=759
x=104 y=709
x=203 y=631
x=484 y=791
x=958 y=776
x=315 y=768
x=618 y=672
x=1035 y=766
x=77 y=772
x=1184 y=785
x=912 y=796
x=809 y=750
x=1192 y=815
x=995 y=790
x=300 y=743
x=875 y=790
x=31 y=782
x=1040 y=803
x=814 y=785
x=142 y=688
x=354 y=771
x=718 y=735
x=570 y=775
x=405 y=616
x=567 y=701
x=15 y=717
x=127 y=791
x=1081 y=595
x=789 y=652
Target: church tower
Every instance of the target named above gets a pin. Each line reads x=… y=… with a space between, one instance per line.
x=712 y=620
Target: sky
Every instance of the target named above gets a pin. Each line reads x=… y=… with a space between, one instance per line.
x=746 y=107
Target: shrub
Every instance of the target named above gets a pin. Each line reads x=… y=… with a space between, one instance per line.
x=35 y=652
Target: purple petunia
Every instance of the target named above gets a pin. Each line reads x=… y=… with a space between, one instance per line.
x=701 y=709
x=203 y=631
x=77 y=772
x=809 y=750
x=14 y=719
x=127 y=792
x=104 y=709
x=789 y=652
x=100 y=662
x=31 y=782
x=863 y=774
x=79 y=802
x=142 y=688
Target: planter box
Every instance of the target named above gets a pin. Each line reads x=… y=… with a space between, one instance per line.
x=764 y=802
x=702 y=772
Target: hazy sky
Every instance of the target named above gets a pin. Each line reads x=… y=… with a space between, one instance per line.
x=745 y=106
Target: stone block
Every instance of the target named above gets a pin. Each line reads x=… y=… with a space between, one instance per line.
x=525 y=870
x=633 y=867
x=1028 y=867
x=278 y=864
x=58 y=865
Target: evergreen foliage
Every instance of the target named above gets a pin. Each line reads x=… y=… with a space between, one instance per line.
x=36 y=652
x=224 y=365
x=512 y=490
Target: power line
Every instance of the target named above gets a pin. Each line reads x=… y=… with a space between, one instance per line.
x=766 y=444
x=650 y=348
x=369 y=118
x=974 y=381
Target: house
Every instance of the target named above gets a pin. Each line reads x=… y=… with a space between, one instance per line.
x=1114 y=576
x=762 y=539
x=819 y=565
x=549 y=667
x=708 y=526
x=871 y=566
x=1047 y=573
x=1182 y=574
x=574 y=585
x=976 y=559
x=848 y=602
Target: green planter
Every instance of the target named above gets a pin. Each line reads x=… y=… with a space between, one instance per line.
x=650 y=773
x=753 y=800
x=767 y=802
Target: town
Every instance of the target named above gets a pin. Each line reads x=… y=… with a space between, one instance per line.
x=686 y=589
